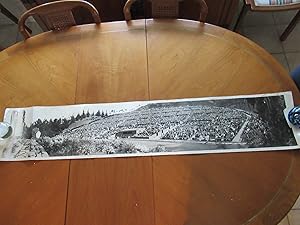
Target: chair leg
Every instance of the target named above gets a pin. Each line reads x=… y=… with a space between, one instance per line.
x=242 y=14
x=290 y=27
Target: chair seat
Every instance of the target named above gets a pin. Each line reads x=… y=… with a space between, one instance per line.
x=275 y=2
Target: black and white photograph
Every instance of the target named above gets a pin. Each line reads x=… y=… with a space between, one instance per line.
x=162 y=127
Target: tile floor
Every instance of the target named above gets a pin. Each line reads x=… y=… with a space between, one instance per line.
x=263 y=28
x=9 y=34
x=293 y=217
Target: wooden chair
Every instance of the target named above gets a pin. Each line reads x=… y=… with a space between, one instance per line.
x=165 y=9
x=269 y=6
x=58 y=15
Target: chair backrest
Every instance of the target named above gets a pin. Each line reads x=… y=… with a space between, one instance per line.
x=166 y=9
x=57 y=15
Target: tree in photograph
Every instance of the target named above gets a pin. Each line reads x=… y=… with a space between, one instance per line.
x=72 y=120
x=26 y=130
x=78 y=117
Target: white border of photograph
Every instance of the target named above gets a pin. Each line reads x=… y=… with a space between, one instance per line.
x=55 y=110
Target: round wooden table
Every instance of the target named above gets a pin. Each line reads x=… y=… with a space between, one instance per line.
x=142 y=60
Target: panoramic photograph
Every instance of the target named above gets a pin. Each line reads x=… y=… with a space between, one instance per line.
x=180 y=126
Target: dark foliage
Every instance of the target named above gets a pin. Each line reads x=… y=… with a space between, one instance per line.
x=51 y=128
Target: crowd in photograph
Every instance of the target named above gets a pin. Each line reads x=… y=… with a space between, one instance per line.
x=209 y=124
x=197 y=123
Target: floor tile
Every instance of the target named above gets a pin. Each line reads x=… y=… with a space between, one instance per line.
x=292 y=43
x=297 y=204
x=284 y=221
x=293 y=60
x=265 y=36
x=282 y=60
x=4 y=20
x=294 y=217
x=258 y=19
x=8 y=34
x=284 y=17
x=16 y=7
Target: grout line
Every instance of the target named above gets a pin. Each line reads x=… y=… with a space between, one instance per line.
x=278 y=36
x=288 y=220
x=286 y=59
x=268 y=26
x=256 y=25
x=274 y=18
x=293 y=51
x=278 y=24
x=281 y=44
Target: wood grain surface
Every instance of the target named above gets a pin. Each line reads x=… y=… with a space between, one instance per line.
x=34 y=74
x=33 y=192
x=113 y=191
x=142 y=60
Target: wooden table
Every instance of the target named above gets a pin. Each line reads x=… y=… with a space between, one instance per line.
x=142 y=60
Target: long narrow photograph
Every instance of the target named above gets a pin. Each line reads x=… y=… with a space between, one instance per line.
x=163 y=127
